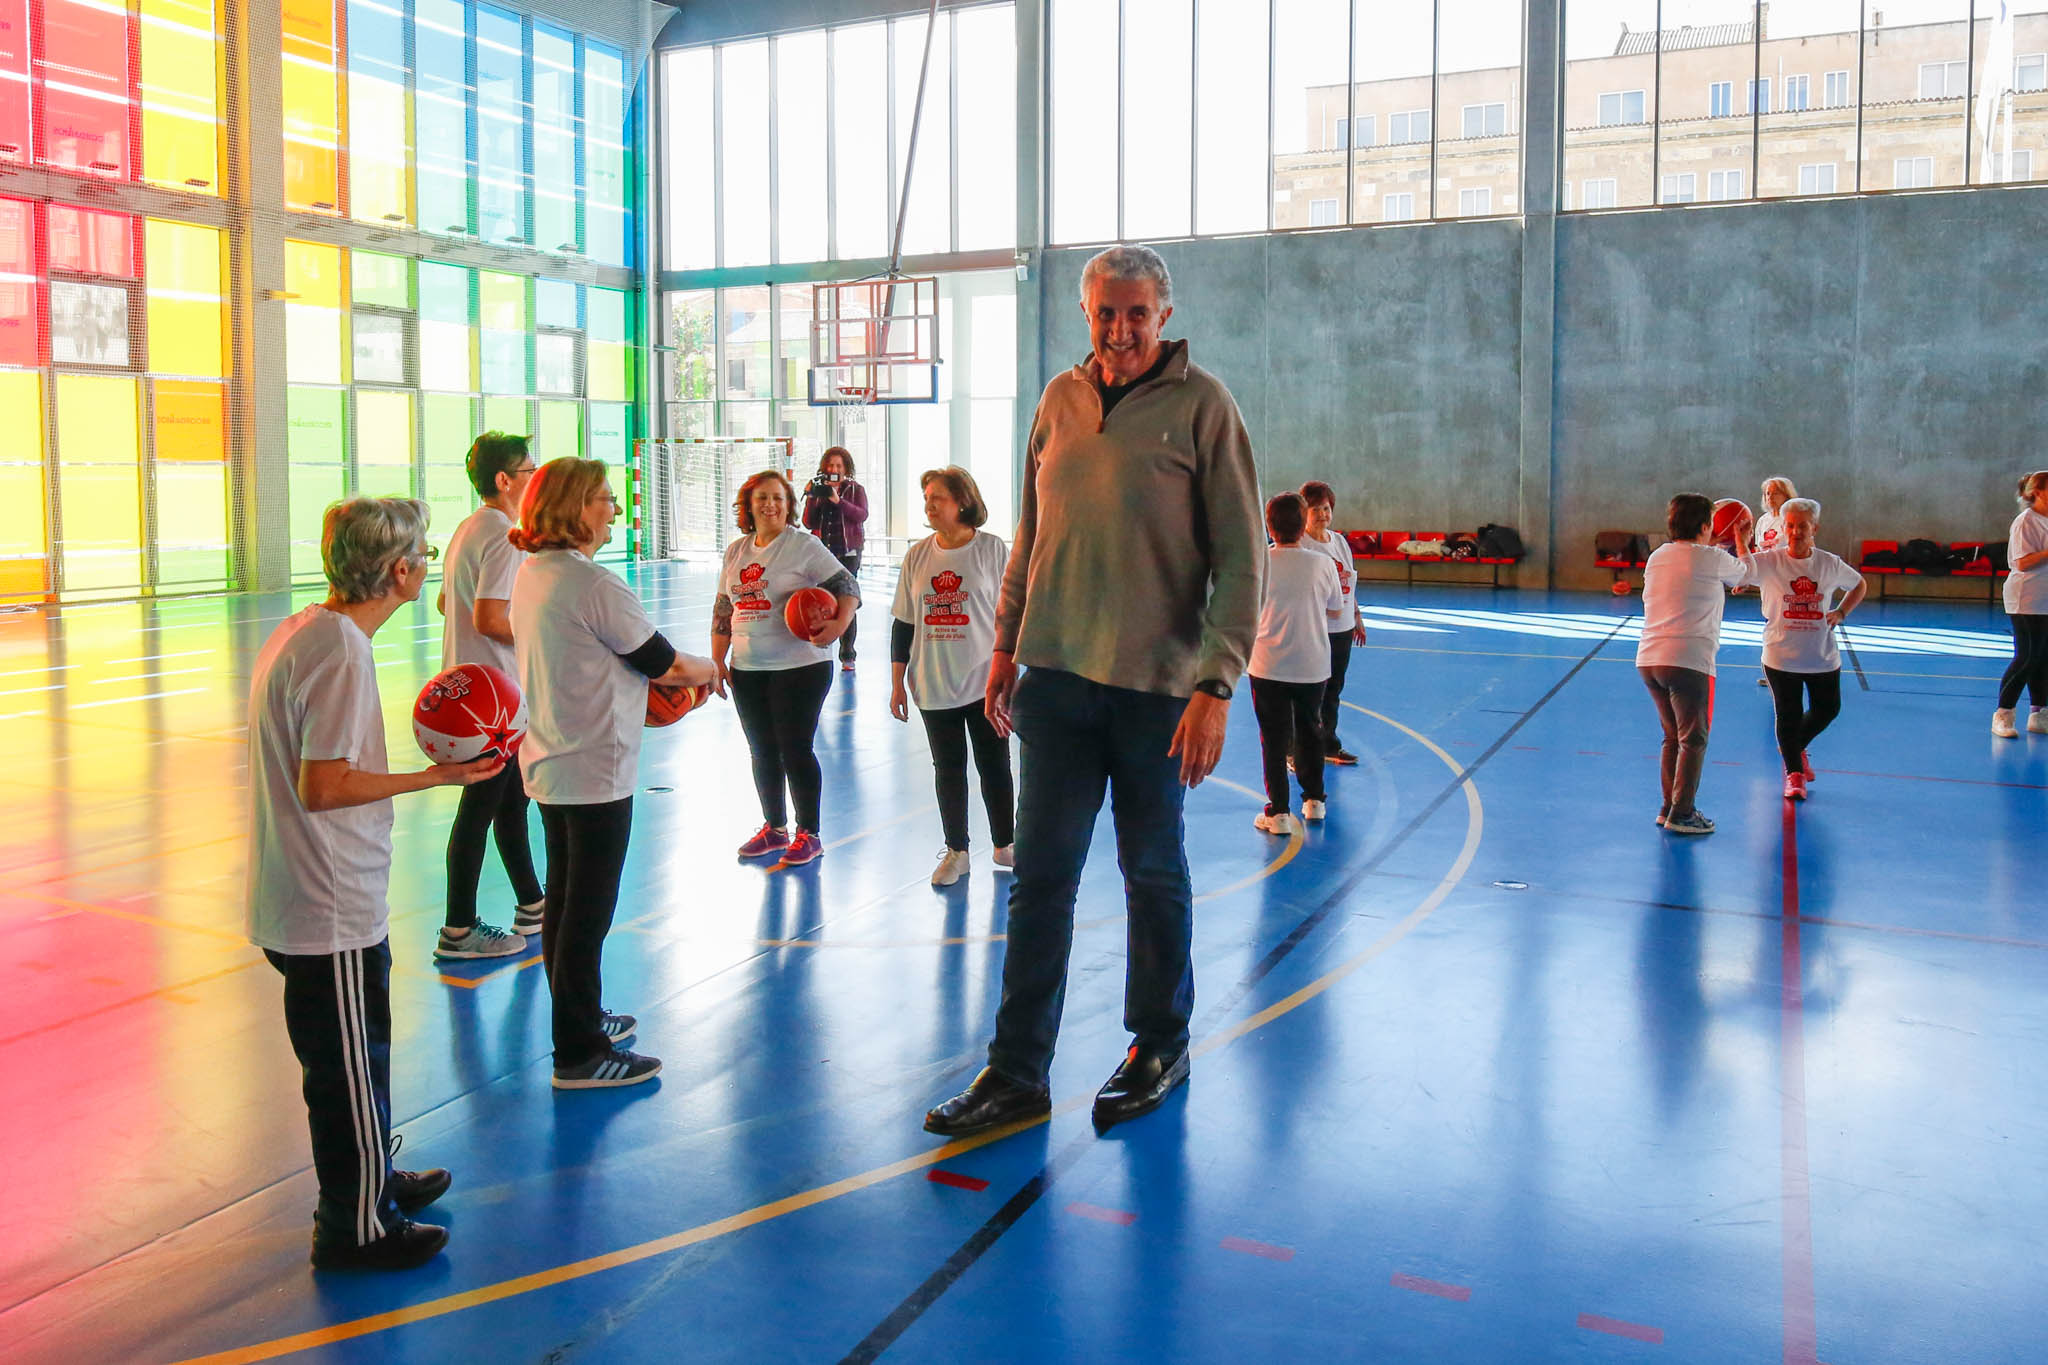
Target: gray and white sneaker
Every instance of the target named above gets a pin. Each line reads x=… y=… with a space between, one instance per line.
x=482 y=940
x=952 y=866
x=1694 y=823
x=607 y=1069
x=1280 y=822
x=2037 y=721
x=619 y=1027
x=2001 y=723
x=526 y=918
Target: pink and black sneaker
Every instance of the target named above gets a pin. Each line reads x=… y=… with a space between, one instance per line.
x=766 y=840
x=803 y=848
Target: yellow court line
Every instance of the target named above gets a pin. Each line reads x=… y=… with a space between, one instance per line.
x=763 y=1213
x=133 y=916
x=1294 y=843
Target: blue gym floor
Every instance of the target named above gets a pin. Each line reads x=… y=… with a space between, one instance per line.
x=1489 y=1068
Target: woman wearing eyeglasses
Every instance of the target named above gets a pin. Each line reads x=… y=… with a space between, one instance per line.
x=586 y=653
x=476 y=599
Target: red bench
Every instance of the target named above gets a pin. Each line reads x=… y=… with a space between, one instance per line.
x=1379 y=546
x=1977 y=567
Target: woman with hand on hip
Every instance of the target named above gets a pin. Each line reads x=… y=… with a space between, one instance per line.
x=1807 y=592
x=586 y=653
x=941 y=640
x=778 y=680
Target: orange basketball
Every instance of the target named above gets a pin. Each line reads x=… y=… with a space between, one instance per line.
x=807 y=611
x=666 y=705
x=1731 y=516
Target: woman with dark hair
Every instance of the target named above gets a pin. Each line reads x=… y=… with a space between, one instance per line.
x=2026 y=605
x=778 y=680
x=940 y=643
x=836 y=512
x=586 y=653
x=1685 y=587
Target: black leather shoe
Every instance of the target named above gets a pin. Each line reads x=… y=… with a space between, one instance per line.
x=990 y=1101
x=414 y=1190
x=1139 y=1085
x=404 y=1247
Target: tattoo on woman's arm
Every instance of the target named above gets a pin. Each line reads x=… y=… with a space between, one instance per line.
x=721 y=615
x=842 y=584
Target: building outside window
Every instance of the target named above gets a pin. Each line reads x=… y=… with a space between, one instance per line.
x=1797 y=92
x=1912 y=172
x=1397 y=208
x=2030 y=72
x=1818 y=178
x=2022 y=165
x=1475 y=202
x=1600 y=194
x=1944 y=80
x=1411 y=126
x=1366 y=126
x=1722 y=185
x=1681 y=188
x=1835 y=89
x=1486 y=120
x=1621 y=106
x=1759 y=97
x=1720 y=99
x=1323 y=213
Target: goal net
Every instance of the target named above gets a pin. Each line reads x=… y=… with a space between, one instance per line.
x=687 y=486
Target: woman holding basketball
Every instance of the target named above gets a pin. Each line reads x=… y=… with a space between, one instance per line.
x=941 y=641
x=586 y=652
x=778 y=678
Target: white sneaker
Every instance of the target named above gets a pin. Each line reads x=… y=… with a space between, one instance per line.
x=2002 y=726
x=1282 y=824
x=952 y=866
x=2037 y=723
x=1313 y=810
x=1006 y=856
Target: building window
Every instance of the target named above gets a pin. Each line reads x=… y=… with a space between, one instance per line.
x=1621 y=106
x=1600 y=194
x=1366 y=126
x=1943 y=80
x=1835 y=89
x=1720 y=99
x=1798 y=93
x=1486 y=120
x=1682 y=188
x=2022 y=165
x=1759 y=97
x=1343 y=139
x=1817 y=179
x=1322 y=213
x=1912 y=172
x=1397 y=208
x=1564 y=195
x=2030 y=72
x=1473 y=203
x=1412 y=126
x=1723 y=185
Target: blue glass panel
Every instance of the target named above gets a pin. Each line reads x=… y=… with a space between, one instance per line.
x=555 y=130
x=501 y=126
x=441 y=116
x=554 y=304
x=605 y=155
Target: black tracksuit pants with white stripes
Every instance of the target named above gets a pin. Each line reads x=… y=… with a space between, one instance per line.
x=337 y=1009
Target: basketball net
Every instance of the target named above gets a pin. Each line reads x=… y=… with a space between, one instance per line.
x=850 y=404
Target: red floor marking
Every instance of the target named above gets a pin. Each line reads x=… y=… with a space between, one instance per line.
x=1592 y=753
x=1121 y=1217
x=1529 y=748
x=1457 y=1293
x=1634 y=1331
x=958 y=1182
x=1795 y=1198
x=1726 y=762
x=1265 y=1249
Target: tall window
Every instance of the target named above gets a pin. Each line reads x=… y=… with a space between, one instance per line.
x=1798 y=90
x=1720 y=99
x=2030 y=72
x=1836 y=89
x=1759 y=97
x=1724 y=185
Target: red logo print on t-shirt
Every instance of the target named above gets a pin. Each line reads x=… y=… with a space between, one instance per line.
x=945 y=604
x=751 y=598
x=1802 y=600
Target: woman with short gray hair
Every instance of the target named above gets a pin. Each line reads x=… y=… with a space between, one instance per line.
x=319 y=867
x=1805 y=592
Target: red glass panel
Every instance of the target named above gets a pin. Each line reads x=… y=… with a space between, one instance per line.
x=84 y=71
x=14 y=97
x=92 y=243
x=20 y=285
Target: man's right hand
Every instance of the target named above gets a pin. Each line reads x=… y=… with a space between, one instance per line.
x=1002 y=690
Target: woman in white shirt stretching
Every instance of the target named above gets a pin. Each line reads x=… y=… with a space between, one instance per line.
x=586 y=653
x=940 y=643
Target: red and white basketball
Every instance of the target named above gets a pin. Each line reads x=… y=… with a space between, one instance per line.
x=1731 y=519
x=468 y=712
x=807 y=611
x=666 y=705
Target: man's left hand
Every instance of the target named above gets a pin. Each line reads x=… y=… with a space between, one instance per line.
x=1198 y=739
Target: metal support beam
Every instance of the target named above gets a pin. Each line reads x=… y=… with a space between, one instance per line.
x=1542 y=130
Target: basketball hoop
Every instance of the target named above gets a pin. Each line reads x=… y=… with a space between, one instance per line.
x=850 y=403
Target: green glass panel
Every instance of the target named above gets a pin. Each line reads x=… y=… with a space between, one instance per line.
x=381 y=280
x=447 y=428
x=313 y=488
x=448 y=494
x=188 y=569
x=607 y=313
x=608 y=370
x=315 y=433
x=511 y=415
x=501 y=300
x=554 y=304
x=559 y=431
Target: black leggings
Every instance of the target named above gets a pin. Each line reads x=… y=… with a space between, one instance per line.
x=1289 y=725
x=2029 y=666
x=496 y=807
x=851 y=562
x=586 y=855
x=1797 y=728
x=950 y=732
x=1333 y=690
x=779 y=713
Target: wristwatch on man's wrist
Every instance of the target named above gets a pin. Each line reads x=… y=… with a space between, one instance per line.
x=1215 y=687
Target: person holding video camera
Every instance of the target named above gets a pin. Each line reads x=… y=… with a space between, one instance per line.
x=836 y=512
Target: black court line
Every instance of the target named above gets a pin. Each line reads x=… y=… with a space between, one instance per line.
x=1842 y=633
x=935 y=1285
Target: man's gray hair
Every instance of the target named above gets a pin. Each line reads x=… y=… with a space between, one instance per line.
x=1810 y=506
x=362 y=540
x=1129 y=263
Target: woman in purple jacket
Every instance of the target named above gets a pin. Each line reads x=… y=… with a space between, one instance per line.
x=836 y=512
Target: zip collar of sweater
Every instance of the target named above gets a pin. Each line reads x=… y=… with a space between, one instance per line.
x=1171 y=367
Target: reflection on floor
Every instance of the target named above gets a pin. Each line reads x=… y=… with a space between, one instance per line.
x=1492 y=1069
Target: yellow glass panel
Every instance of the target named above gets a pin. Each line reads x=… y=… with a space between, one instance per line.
x=383 y=430
x=606 y=373
x=24 y=577
x=192 y=508
x=378 y=151
x=312 y=106
x=560 y=431
x=102 y=541
x=96 y=422
x=21 y=510
x=313 y=272
x=191 y=422
x=180 y=95
x=186 y=310
x=312 y=321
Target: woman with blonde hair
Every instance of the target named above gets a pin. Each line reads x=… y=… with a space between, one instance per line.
x=940 y=644
x=1770 y=517
x=586 y=652
x=2026 y=604
x=778 y=680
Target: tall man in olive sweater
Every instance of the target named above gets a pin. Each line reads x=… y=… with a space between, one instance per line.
x=1131 y=600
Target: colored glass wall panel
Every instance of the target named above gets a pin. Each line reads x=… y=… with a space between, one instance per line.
x=448 y=498
x=312 y=107
x=23 y=547
x=447 y=341
x=84 y=73
x=312 y=320
x=187 y=313
x=559 y=431
x=508 y=414
x=604 y=155
x=385 y=281
x=608 y=363
x=378 y=146
x=446 y=428
x=15 y=103
x=180 y=95
x=20 y=286
x=384 y=444
x=500 y=126
x=92 y=243
x=501 y=309
x=316 y=443
x=554 y=304
x=555 y=132
x=608 y=443
x=191 y=422
x=441 y=114
x=99 y=481
x=191 y=525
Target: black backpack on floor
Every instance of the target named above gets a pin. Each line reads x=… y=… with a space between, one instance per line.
x=1925 y=556
x=1500 y=542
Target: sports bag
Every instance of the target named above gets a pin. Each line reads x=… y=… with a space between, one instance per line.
x=1926 y=556
x=1500 y=542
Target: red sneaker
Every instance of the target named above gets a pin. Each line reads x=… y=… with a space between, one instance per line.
x=1795 y=787
x=803 y=848
x=766 y=840
x=1805 y=766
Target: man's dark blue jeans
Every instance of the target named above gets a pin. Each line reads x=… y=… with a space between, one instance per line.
x=1080 y=737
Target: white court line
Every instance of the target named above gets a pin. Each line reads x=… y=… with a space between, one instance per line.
x=152 y=658
x=138 y=677
x=24 y=691
x=150 y=696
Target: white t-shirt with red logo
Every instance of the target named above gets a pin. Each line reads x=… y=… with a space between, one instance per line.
x=1339 y=549
x=948 y=598
x=1770 y=531
x=1797 y=595
x=758 y=580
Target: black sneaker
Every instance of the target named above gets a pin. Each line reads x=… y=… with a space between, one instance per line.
x=1343 y=758
x=619 y=1027
x=414 y=1190
x=607 y=1069
x=408 y=1245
